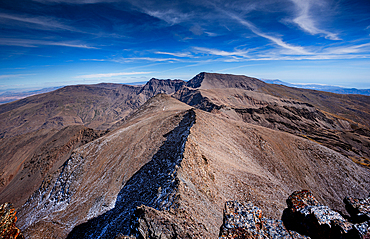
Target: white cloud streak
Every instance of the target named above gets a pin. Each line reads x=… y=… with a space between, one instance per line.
x=277 y=41
x=13 y=76
x=306 y=22
x=106 y=75
x=170 y=16
x=173 y=54
x=221 y=52
x=348 y=49
x=152 y=59
x=343 y=52
x=292 y=49
x=45 y=23
x=37 y=43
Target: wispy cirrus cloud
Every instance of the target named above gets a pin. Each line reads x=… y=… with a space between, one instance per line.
x=36 y=22
x=151 y=59
x=13 y=76
x=36 y=43
x=107 y=75
x=240 y=53
x=359 y=51
x=276 y=40
x=177 y=54
x=345 y=50
x=171 y=16
x=307 y=22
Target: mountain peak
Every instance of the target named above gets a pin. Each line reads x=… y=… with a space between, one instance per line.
x=206 y=80
x=156 y=86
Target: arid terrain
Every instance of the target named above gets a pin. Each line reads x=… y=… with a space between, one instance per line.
x=161 y=160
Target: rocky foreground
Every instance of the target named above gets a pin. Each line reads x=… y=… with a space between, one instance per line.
x=305 y=217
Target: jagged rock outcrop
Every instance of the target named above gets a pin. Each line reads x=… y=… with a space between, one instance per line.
x=244 y=220
x=8 y=218
x=156 y=86
x=305 y=217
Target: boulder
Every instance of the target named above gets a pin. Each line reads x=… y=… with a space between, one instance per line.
x=308 y=217
x=244 y=220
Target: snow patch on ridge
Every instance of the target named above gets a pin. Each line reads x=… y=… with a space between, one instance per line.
x=52 y=196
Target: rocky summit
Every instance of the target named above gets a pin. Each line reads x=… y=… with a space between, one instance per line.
x=215 y=156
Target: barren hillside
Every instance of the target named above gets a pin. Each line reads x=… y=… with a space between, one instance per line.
x=174 y=153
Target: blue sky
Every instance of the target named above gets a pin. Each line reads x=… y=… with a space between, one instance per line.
x=46 y=43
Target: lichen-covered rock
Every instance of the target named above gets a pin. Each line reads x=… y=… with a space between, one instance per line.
x=299 y=200
x=244 y=220
x=307 y=216
x=8 y=230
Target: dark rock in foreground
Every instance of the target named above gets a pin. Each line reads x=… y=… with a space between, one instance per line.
x=359 y=209
x=305 y=217
x=244 y=220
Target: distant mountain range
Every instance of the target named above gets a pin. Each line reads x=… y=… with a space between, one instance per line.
x=327 y=88
x=12 y=95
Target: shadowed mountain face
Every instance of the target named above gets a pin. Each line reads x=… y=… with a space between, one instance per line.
x=176 y=153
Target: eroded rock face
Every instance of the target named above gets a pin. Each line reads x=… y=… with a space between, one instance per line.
x=8 y=230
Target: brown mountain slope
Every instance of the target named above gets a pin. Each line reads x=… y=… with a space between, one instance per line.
x=25 y=160
x=353 y=108
x=303 y=117
x=95 y=106
x=184 y=164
